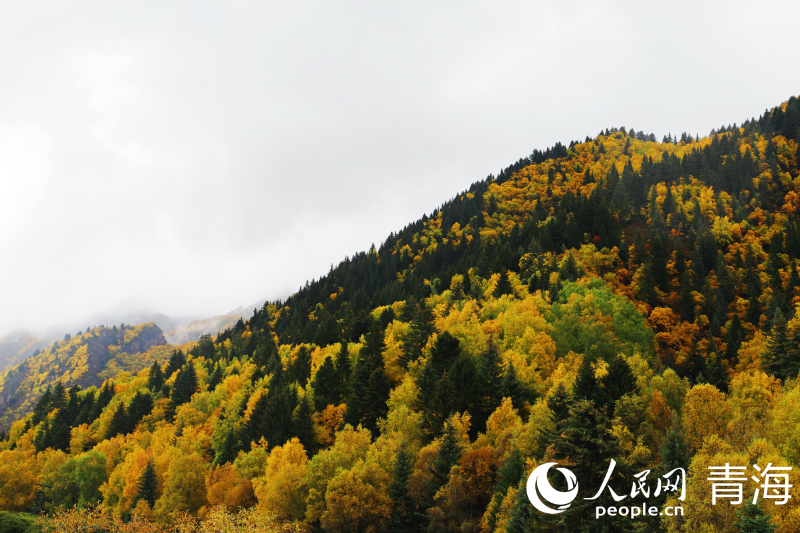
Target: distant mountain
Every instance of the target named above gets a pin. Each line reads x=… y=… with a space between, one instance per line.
x=205 y=326
x=18 y=345
x=85 y=360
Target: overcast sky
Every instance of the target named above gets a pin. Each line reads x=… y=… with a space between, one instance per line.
x=190 y=157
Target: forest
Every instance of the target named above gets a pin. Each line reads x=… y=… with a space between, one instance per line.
x=616 y=298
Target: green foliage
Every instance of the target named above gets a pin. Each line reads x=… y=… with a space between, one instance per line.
x=753 y=519
x=578 y=327
x=17 y=523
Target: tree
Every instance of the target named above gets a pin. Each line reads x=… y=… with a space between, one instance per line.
x=155 y=380
x=119 y=422
x=448 y=455
x=490 y=384
x=327 y=388
x=586 y=386
x=673 y=449
x=420 y=330
x=618 y=382
x=300 y=369
x=403 y=518
x=215 y=378
x=185 y=386
x=513 y=387
x=370 y=391
x=303 y=425
x=176 y=361
x=503 y=286
x=343 y=371
x=147 y=485
x=753 y=519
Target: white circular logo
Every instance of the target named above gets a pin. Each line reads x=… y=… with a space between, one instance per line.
x=538 y=484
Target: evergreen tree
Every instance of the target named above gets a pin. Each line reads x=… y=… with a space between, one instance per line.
x=300 y=370
x=215 y=378
x=183 y=389
x=326 y=386
x=403 y=516
x=147 y=485
x=370 y=391
x=618 y=382
x=303 y=425
x=512 y=387
x=490 y=384
x=733 y=338
x=753 y=519
x=119 y=422
x=717 y=372
x=343 y=371
x=673 y=449
x=59 y=396
x=420 y=330
x=520 y=519
x=103 y=399
x=43 y=406
x=695 y=364
x=447 y=457
x=503 y=285
x=176 y=361
x=60 y=430
x=658 y=264
x=140 y=406
x=271 y=417
x=586 y=386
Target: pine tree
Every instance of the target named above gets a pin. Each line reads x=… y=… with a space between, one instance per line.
x=733 y=339
x=326 y=386
x=140 y=406
x=753 y=519
x=303 y=425
x=673 y=449
x=503 y=285
x=448 y=455
x=183 y=389
x=717 y=372
x=586 y=386
x=420 y=330
x=512 y=387
x=119 y=422
x=521 y=516
x=657 y=264
x=43 y=406
x=59 y=396
x=103 y=399
x=618 y=382
x=695 y=364
x=403 y=518
x=215 y=378
x=370 y=390
x=343 y=371
x=300 y=370
x=60 y=430
x=490 y=385
x=176 y=361
x=147 y=485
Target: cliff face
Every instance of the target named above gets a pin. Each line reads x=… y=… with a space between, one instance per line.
x=75 y=361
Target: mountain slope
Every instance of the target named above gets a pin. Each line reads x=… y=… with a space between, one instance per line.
x=617 y=298
x=76 y=360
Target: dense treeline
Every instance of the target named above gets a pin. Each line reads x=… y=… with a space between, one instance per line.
x=617 y=298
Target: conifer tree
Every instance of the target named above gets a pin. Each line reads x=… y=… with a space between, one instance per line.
x=673 y=449
x=303 y=425
x=403 y=517
x=176 y=361
x=155 y=381
x=140 y=406
x=147 y=485
x=503 y=285
x=300 y=370
x=420 y=330
x=184 y=387
x=215 y=378
x=326 y=386
x=448 y=455
x=60 y=430
x=520 y=519
x=490 y=383
x=343 y=371
x=717 y=372
x=370 y=391
x=103 y=399
x=43 y=406
x=119 y=422
x=59 y=396
x=753 y=519
x=512 y=387
x=618 y=382
x=586 y=386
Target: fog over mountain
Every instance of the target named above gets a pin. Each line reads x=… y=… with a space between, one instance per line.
x=198 y=156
